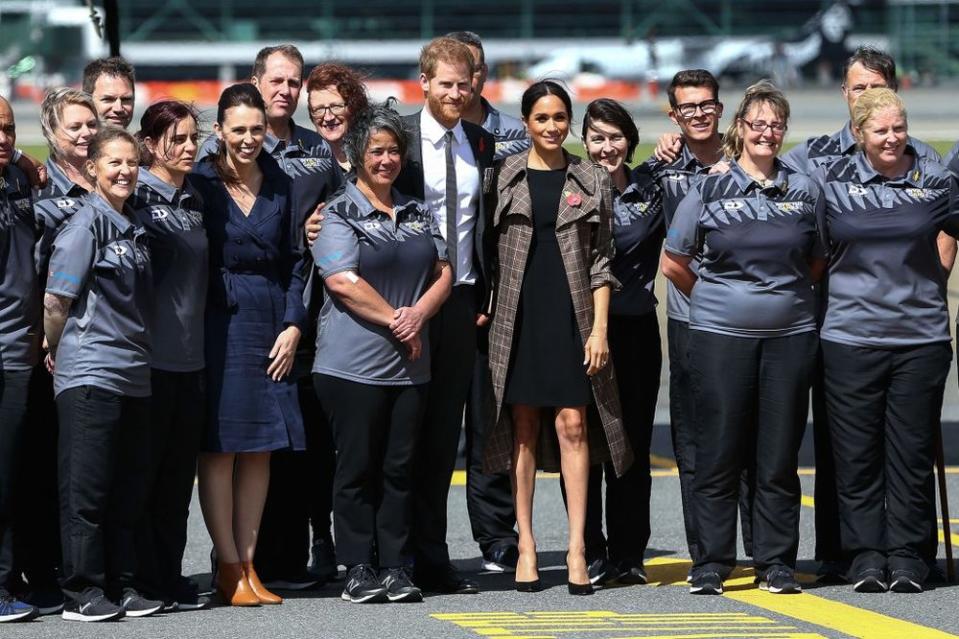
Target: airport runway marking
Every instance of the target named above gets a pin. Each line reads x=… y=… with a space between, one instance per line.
x=607 y=624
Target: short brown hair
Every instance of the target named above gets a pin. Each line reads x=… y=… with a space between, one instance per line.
x=692 y=78
x=348 y=82
x=445 y=50
x=115 y=66
x=289 y=51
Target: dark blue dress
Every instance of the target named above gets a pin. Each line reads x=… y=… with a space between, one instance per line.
x=255 y=293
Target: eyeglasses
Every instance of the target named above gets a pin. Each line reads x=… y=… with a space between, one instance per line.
x=334 y=109
x=760 y=126
x=688 y=109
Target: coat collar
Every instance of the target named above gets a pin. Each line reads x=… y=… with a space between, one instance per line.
x=577 y=169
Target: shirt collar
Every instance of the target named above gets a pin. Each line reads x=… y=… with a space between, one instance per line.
x=122 y=222
x=913 y=176
x=60 y=180
x=847 y=141
x=13 y=181
x=366 y=208
x=270 y=142
x=165 y=190
x=688 y=161
x=746 y=182
x=434 y=132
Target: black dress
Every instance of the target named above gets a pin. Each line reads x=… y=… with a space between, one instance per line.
x=547 y=362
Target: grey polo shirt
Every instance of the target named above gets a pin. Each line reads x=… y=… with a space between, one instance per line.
x=180 y=256
x=638 y=230
x=20 y=308
x=675 y=179
x=53 y=205
x=102 y=262
x=756 y=243
x=823 y=150
x=510 y=132
x=306 y=152
x=886 y=285
x=397 y=259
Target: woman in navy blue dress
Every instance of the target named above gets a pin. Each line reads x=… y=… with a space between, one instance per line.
x=253 y=319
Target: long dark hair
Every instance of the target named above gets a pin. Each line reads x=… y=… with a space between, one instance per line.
x=243 y=94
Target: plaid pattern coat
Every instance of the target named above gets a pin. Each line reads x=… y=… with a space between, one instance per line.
x=584 y=232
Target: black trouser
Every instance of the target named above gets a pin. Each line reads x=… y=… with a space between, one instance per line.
x=14 y=390
x=104 y=456
x=452 y=352
x=636 y=351
x=828 y=544
x=752 y=394
x=37 y=526
x=682 y=428
x=489 y=496
x=177 y=420
x=884 y=407
x=300 y=493
x=375 y=430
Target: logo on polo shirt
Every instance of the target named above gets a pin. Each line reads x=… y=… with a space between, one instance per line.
x=416 y=227
x=372 y=226
x=159 y=213
x=310 y=163
x=22 y=204
x=733 y=205
x=857 y=189
x=789 y=207
x=64 y=203
x=676 y=177
x=119 y=249
x=919 y=194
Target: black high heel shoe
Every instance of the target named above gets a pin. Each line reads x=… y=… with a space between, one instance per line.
x=580 y=589
x=529 y=586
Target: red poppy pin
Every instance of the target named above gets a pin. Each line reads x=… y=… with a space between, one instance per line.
x=574 y=199
x=482 y=145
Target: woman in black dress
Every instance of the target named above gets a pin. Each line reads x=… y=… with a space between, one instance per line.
x=548 y=346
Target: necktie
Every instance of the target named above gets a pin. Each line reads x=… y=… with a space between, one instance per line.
x=451 y=199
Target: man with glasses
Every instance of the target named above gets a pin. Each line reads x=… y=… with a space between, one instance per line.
x=680 y=162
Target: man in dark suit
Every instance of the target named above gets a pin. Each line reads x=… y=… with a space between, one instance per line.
x=448 y=161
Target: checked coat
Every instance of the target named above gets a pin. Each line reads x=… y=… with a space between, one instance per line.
x=584 y=233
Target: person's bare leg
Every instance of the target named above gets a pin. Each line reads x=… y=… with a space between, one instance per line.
x=574 y=461
x=215 y=487
x=523 y=478
x=250 y=486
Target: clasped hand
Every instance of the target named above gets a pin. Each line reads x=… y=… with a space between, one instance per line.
x=406 y=326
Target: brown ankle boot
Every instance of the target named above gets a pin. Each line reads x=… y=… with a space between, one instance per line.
x=232 y=586
x=264 y=595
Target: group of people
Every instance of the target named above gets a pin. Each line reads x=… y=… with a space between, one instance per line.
x=283 y=306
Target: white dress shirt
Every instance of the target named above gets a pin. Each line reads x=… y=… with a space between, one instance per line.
x=433 y=148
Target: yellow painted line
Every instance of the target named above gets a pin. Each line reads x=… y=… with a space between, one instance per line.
x=658 y=461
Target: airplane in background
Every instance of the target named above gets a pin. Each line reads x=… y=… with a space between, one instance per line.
x=824 y=37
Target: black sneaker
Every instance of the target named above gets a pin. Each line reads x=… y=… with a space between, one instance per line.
x=362 y=586
x=780 y=581
x=12 y=609
x=136 y=605
x=501 y=559
x=301 y=581
x=186 y=596
x=904 y=581
x=706 y=583
x=323 y=564
x=598 y=570
x=47 y=601
x=93 y=606
x=399 y=587
x=871 y=580
x=631 y=573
